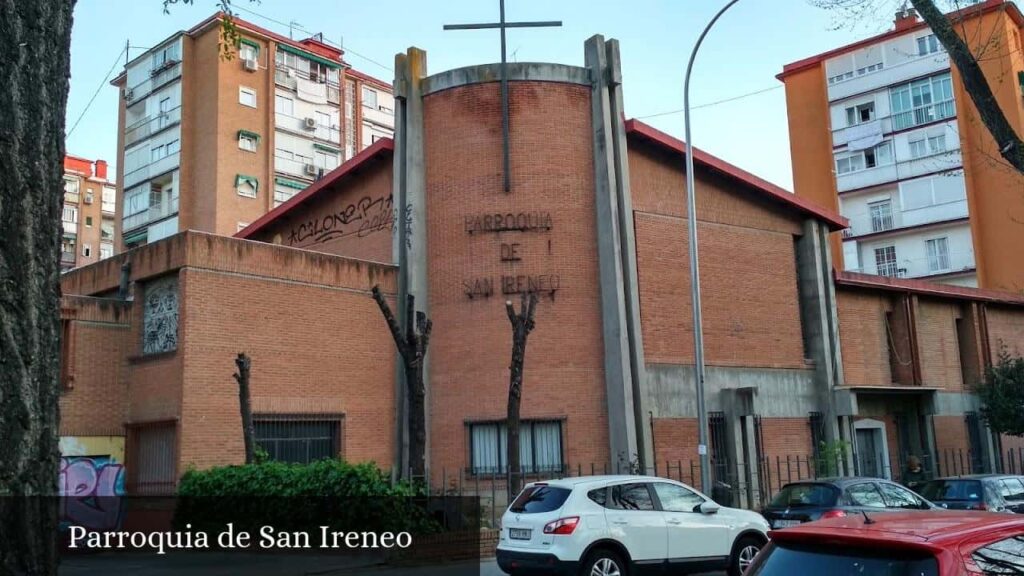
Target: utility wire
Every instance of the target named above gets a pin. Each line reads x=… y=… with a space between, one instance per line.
x=715 y=103
x=325 y=40
x=97 y=93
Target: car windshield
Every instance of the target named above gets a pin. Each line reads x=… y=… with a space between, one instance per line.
x=537 y=499
x=805 y=496
x=952 y=490
x=787 y=559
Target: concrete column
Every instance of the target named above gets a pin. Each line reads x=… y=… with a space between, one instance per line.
x=618 y=373
x=627 y=249
x=409 y=247
x=932 y=451
x=820 y=318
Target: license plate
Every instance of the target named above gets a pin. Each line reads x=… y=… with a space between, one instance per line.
x=519 y=533
x=784 y=523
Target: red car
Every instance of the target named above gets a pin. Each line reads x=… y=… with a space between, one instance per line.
x=897 y=544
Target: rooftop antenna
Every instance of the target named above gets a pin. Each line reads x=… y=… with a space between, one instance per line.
x=291 y=25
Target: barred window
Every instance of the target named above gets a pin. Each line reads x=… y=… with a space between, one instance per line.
x=298 y=439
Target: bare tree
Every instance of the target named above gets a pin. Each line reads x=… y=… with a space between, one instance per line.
x=1011 y=148
x=411 y=343
x=244 y=364
x=522 y=325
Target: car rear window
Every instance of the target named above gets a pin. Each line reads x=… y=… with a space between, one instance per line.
x=538 y=499
x=952 y=490
x=788 y=559
x=805 y=496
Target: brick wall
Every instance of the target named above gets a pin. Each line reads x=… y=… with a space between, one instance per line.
x=552 y=172
x=748 y=270
x=1006 y=328
x=863 y=338
x=939 y=344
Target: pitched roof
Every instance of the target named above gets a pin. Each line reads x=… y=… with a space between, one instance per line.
x=770 y=191
x=380 y=148
x=926 y=288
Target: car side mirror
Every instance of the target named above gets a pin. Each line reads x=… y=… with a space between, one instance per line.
x=708 y=507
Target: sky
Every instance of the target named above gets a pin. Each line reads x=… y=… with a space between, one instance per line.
x=741 y=55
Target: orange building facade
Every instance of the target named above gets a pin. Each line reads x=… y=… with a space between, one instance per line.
x=883 y=132
x=89 y=217
x=594 y=225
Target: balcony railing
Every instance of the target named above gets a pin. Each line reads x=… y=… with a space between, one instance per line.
x=923 y=115
x=288 y=77
x=151 y=125
x=70 y=227
x=319 y=131
x=168 y=72
x=67 y=258
x=142 y=173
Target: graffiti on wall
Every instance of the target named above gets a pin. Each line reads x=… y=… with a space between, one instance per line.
x=90 y=487
x=360 y=218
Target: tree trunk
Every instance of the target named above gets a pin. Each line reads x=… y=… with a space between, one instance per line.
x=244 y=364
x=1007 y=140
x=522 y=325
x=35 y=44
x=411 y=343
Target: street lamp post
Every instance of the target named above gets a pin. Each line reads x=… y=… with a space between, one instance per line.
x=691 y=220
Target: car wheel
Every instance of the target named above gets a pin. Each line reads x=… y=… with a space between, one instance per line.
x=743 y=553
x=603 y=563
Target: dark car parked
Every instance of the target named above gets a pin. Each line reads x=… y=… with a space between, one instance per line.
x=801 y=502
x=994 y=492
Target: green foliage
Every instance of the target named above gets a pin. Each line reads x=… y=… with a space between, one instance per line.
x=230 y=36
x=300 y=497
x=831 y=456
x=1002 y=395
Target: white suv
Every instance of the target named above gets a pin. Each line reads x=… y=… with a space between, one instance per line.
x=618 y=525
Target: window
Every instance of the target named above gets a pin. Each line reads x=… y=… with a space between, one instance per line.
x=298 y=440
x=86 y=250
x=247 y=96
x=599 y=496
x=850 y=164
x=860 y=114
x=369 y=98
x=1003 y=557
x=918 y=148
x=881 y=215
x=173 y=147
x=922 y=101
x=71 y=189
x=248 y=50
x=70 y=214
x=880 y=155
x=326 y=160
x=156 y=153
x=540 y=447
x=928 y=45
x=676 y=498
x=899 y=497
x=865 y=494
x=885 y=261
x=107 y=230
x=323 y=119
x=937 y=144
x=167 y=55
x=540 y=499
x=284 y=105
x=938 y=254
x=106 y=250
x=160 y=316
x=109 y=200
x=88 y=221
x=247 y=141
x=631 y=497
x=246 y=185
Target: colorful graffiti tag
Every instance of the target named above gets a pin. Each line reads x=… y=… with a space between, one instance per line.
x=91 y=487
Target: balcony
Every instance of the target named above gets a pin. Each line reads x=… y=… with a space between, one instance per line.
x=143 y=173
x=916 y=68
x=151 y=125
x=289 y=78
x=169 y=71
x=863 y=223
x=298 y=125
x=901 y=170
x=67 y=259
x=70 y=228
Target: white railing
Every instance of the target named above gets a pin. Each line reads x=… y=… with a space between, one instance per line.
x=902 y=170
x=292 y=167
x=70 y=227
x=150 y=125
x=863 y=222
x=319 y=131
x=143 y=173
x=923 y=115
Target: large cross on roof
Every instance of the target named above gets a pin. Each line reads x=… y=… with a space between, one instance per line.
x=503 y=25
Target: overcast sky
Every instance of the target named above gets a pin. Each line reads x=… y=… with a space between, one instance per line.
x=742 y=55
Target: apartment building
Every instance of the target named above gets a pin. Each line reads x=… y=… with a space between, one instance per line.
x=883 y=132
x=89 y=218
x=211 y=142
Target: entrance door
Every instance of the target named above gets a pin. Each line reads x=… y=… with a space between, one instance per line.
x=869 y=452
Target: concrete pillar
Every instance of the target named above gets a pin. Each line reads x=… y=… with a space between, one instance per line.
x=409 y=246
x=618 y=365
x=932 y=451
x=820 y=319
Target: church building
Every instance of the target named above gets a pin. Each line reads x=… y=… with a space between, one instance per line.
x=592 y=220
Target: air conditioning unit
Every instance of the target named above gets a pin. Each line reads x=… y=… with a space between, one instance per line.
x=250 y=65
x=88 y=198
x=309 y=123
x=311 y=169
x=129 y=94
